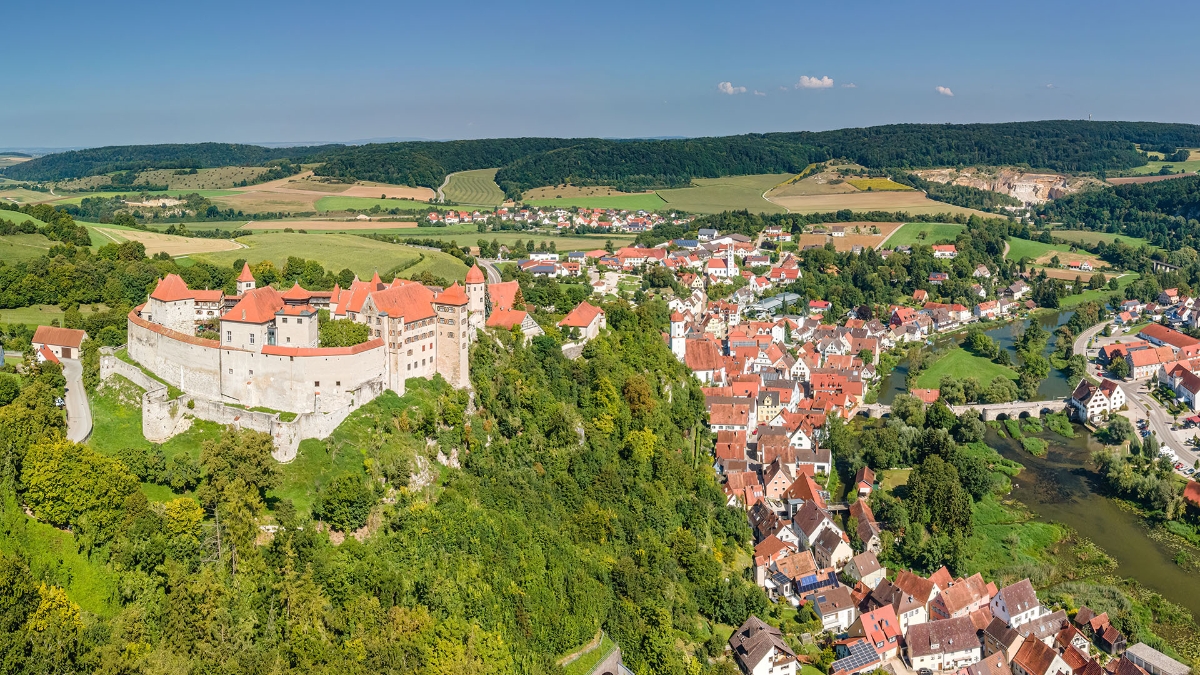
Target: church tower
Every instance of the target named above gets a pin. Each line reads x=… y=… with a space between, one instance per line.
x=476 y=298
x=245 y=280
x=678 y=336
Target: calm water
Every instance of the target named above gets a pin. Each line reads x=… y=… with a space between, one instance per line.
x=1054 y=386
x=1062 y=487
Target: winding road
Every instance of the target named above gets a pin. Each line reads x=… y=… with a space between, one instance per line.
x=79 y=413
x=489 y=267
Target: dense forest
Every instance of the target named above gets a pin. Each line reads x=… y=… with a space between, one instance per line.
x=1166 y=213
x=95 y=161
x=1059 y=145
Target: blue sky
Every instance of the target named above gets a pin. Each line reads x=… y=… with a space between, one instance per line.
x=86 y=73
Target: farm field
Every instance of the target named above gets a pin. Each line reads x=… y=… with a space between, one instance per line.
x=1066 y=274
x=960 y=364
x=173 y=245
x=648 y=201
x=1043 y=253
x=23 y=196
x=934 y=232
x=133 y=194
x=877 y=185
x=714 y=195
x=10 y=160
x=1089 y=237
x=1153 y=167
x=15 y=247
x=41 y=315
x=864 y=238
x=326 y=225
x=475 y=188
x=586 y=242
x=911 y=202
x=336 y=252
x=328 y=203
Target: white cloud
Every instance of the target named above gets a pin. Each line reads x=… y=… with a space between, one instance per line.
x=728 y=88
x=1050 y=86
x=782 y=88
x=944 y=91
x=850 y=85
x=758 y=93
x=807 y=82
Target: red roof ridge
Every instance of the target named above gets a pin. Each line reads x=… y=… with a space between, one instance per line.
x=278 y=350
x=171 y=288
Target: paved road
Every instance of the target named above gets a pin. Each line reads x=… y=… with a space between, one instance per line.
x=489 y=267
x=1141 y=405
x=79 y=414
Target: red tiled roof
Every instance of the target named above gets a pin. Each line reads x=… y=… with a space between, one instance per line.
x=277 y=350
x=506 y=318
x=208 y=296
x=503 y=294
x=296 y=293
x=48 y=355
x=1192 y=492
x=926 y=395
x=59 y=337
x=246 y=275
x=171 y=288
x=256 y=306
x=455 y=295
x=410 y=301
x=475 y=275
x=582 y=316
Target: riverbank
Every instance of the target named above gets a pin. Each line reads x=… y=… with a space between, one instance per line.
x=1062 y=489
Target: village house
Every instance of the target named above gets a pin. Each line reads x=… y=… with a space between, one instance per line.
x=759 y=649
x=943 y=645
x=836 y=608
x=1036 y=658
x=865 y=567
x=63 y=343
x=1017 y=604
x=881 y=629
x=946 y=251
x=587 y=319
x=1092 y=402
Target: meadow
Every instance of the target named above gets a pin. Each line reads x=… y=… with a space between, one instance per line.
x=474 y=188
x=156 y=242
x=19 y=195
x=1089 y=237
x=911 y=202
x=1102 y=295
x=733 y=193
x=908 y=234
x=562 y=243
x=333 y=203
x=132 y=194
x=958 y=363
x=203 y=179
x=16 y=247
x=336 y=252
x=41 y=315
x=1192 y=165
x=1038 y=252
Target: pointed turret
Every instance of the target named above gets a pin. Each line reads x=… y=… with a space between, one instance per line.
x=475 y=275
x=245 y=280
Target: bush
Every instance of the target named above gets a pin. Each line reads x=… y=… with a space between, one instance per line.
x=345 y=503
x=1034 y=446
x=1060 y=424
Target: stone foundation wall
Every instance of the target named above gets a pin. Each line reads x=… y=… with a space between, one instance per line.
x=163 y=418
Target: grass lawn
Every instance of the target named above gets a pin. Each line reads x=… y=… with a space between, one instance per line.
x=41 y=315
x=959 y=364
x=1089 y=237
x=586 y=662
x=53 y=556
x=117 y=424
x=877 y=184
x=997 y=527
x=908 y=234
x=1035 y=250
x=714 y=195
x=17 y=247
x=891 y=479
x=477 y=188
x=1098 y=295
x=1151 y=168
x=336 y=252
x=635 y=202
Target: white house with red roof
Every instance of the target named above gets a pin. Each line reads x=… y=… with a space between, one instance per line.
x=587 y=318
x=53 y=343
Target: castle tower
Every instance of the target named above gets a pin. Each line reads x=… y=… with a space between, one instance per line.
x=245 y=280
x=476 y=297
x=453 y=335
x=678 y=339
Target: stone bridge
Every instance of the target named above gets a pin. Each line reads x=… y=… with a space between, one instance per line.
x=988 y=411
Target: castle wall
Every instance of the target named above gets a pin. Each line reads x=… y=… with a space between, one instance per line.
x=189 y=363
x=453 y=335
x=179 y=315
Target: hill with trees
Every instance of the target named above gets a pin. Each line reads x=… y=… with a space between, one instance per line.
x=524 y=163
x=1165 y=213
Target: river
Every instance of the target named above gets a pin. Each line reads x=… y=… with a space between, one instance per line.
x=1054 y=386
x=1063 y=487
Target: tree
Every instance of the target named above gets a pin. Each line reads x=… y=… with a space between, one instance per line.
x=68 y=484
x=345 y=503
x=343 y=333
x=910 y=409
x=1118 y=368
x=937 y=497
x=1118 y=430
x=238 y=455
x=938 y=416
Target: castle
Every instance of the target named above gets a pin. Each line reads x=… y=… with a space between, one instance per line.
x=267 y=353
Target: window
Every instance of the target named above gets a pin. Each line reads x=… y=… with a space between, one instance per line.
x=231 y=371
x=229 y=336
x=252 y=338
x=299 y=321
x=285 y=319
x=317 y=383
x=422 y=361
x=338 y=383
x=289 y=339
x=450 y=334
x=408 y=367
x=378 y=321
x=410 y=352
x=251 y=372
